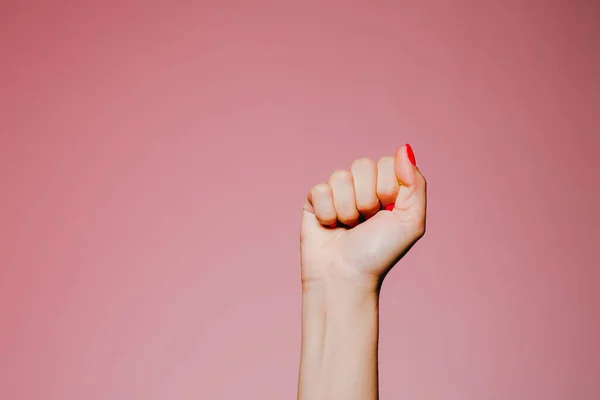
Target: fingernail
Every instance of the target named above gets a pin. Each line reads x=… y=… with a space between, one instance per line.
x=389 y=207
x=411 y=155
x=333 y=225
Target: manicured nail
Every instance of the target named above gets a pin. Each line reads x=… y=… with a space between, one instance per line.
x=389 y=207
x=411 y=155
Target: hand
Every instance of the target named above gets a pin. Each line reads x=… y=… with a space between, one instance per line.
x=360 y=224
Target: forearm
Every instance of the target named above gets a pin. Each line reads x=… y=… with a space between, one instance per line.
x=340 y=323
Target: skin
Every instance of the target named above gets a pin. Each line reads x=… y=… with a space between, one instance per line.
x=343 y=267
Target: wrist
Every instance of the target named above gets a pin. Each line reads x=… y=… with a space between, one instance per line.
x=344 y=286
x=335 y=296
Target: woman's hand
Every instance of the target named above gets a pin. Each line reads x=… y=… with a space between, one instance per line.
x=358 y=225
x=354 y=229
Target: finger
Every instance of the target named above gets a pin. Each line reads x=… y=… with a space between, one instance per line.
x=413 y=189
x=405 y=165
x=387 y=182
x=364 y=172
x=321 y=199
x=342 y=184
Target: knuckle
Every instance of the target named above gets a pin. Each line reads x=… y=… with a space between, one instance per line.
x=385 y=160
x=363 y=162
x=318 y=192
x=321 y=188
x=341 y=174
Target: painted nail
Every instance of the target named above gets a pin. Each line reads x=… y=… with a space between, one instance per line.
x=389 y=207
x=411 y=155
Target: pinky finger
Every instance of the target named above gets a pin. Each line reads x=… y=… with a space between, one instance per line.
x=321 y=198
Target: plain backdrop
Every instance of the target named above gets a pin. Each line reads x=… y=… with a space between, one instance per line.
x=155 y=157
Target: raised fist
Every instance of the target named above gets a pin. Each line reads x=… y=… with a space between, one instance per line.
x=359 y=224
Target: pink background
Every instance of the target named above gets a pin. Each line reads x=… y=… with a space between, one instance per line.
x=155 y=157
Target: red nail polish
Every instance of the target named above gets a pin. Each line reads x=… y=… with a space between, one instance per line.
x=389 y=207
x=411 y=155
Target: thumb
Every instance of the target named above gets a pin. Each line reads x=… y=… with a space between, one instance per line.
x=405 y=165
x=410 y=208
x=412 y=192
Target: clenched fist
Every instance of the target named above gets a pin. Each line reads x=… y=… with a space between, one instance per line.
x=360 y=223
